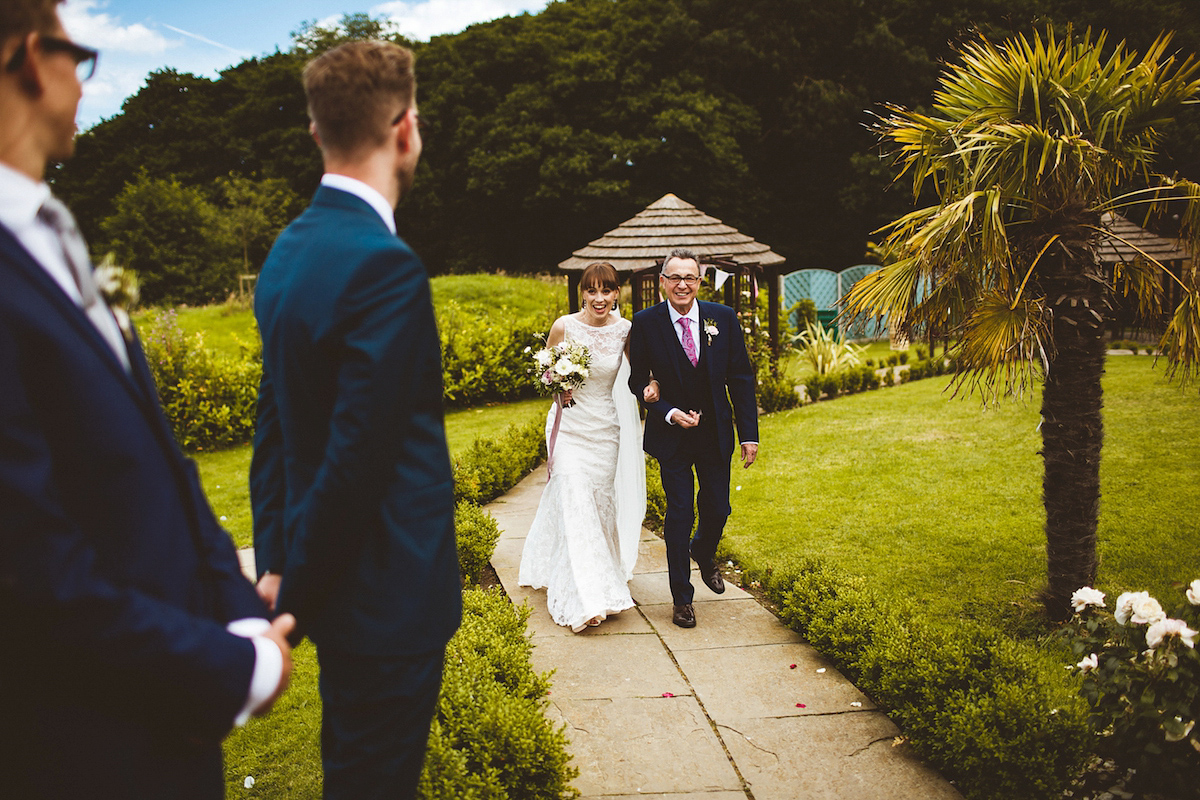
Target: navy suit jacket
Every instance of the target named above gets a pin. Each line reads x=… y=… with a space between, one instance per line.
x=654 y=349
x=116 y=582
x=351 y=481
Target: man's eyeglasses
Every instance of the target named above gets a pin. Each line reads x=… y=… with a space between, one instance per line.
x=84 y=57
x=688 y=280
x=422 y=125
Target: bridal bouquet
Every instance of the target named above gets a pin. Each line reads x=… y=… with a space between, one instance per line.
x=561 y=368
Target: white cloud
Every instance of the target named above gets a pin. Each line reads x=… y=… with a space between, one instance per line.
x=87 y=22
x=421 y=19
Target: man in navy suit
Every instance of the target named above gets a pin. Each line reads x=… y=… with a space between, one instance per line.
x=696 y=353
x=132 y=640
x=351 y=480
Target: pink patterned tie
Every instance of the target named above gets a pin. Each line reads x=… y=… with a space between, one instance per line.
x=689 y=344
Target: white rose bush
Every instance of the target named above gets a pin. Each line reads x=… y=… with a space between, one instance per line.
x=1140 y=675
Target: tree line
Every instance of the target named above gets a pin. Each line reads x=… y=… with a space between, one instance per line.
x=548 y=129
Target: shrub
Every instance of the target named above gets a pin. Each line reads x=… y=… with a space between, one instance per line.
x=777 y=393
x=1142 y=686
x=978 y=707
x=823 y=352
x=870 y=378
x=852 y=381
x=887 y=377
x=477 y=534
x=209 y=399
x=922 y=353
x=813 y=386
x=656 y=499
x=831 y=384
x=493 y=466
x=903 y=356
x=490 y=737
x=484 y=358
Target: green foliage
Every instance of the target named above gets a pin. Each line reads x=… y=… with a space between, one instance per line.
x=485 y=358
x=477 y=533
x=979 y=708
x=490 y=737
x=209 y=399
x=656 y=498
x=168 y=233
x=777 y=393
x=1143 y=688
x=493 y=466
x=823 y=352
x=254 y=213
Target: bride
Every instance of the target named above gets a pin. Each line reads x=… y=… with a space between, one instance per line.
x=583 y=543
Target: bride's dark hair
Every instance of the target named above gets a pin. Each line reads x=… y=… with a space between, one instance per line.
x=600 y=275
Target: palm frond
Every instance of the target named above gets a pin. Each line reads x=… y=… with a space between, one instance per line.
x=1002 y=349
x=1180 y=344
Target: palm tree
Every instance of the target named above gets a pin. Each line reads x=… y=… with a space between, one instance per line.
x=1029 y=143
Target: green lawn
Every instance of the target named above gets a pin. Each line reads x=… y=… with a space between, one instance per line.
x=938 y=502
x=225 y=473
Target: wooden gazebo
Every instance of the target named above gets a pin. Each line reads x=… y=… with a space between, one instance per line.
x=1137 y=243
x=638 y=246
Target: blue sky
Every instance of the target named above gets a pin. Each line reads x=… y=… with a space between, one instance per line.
x=204 y=36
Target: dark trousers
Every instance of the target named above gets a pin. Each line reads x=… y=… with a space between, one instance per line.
x=699 y=453
x=375 y=722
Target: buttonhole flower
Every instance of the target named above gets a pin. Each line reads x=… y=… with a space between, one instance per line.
x=711 y=330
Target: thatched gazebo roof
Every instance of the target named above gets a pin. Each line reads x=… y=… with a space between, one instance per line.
x=1113 y=251
x=641 y=242
x=638 y=245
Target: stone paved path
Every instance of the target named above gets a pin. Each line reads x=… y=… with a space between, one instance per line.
x=716 y=712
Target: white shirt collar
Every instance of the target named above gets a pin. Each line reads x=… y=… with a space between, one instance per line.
x=20 y=198
x=365 y=193
x=693 y=314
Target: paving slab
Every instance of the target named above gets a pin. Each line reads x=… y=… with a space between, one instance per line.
x=643 y=746
x=852 y=756
x=508 y=552
x=767 y=683
x=586 y=668
x=653 y=588
x=720 y=623
x=717 y=795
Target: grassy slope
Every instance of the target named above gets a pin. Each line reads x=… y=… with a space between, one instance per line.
x=939 y=502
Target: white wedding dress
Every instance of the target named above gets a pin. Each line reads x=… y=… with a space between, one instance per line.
x=582 y=545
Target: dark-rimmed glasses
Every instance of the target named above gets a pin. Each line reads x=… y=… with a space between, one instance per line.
x=422 y=125
x=675 y=280
x=84 y=57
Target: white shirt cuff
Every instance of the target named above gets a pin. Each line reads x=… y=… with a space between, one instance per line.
x=268 y=664
x=669 y=413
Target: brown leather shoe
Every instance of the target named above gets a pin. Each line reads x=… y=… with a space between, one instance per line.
x=711 y=575
x=684 y=616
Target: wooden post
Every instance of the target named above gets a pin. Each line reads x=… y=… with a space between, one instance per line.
x=573 y=290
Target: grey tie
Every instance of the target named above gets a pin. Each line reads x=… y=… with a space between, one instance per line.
x=56 y=215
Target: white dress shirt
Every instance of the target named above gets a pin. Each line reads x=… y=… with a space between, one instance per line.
x=20 y=200
x=364 y=192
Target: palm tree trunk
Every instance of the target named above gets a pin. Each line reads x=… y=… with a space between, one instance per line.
x=1072 y=433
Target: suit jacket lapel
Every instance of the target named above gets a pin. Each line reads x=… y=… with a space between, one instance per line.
x=20 y=259
x=670 y=342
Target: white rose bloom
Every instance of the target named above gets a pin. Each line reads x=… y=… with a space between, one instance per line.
x=1147 y=611
x=544 y=358
x=1193 y=593
x=1086 y=596
x=563 y=366
x=1163 y=628
x=1125 y=605
x=1089 y=663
